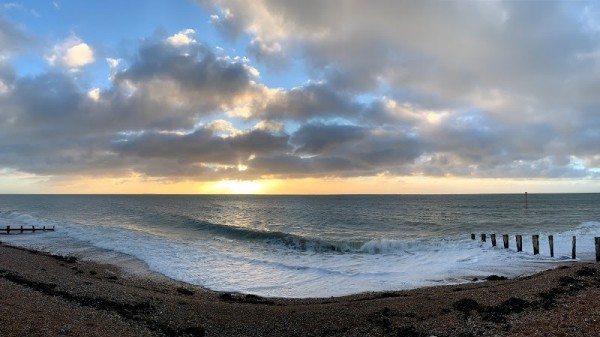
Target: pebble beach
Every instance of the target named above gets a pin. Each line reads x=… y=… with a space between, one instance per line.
x=49 y=295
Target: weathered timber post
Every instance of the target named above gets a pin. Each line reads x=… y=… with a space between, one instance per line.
x=519 y=243
x=472 y=236
x=21 y=229
x=551 y=243
x=535 y=240
x=7 y=229
x=574 y=249
x=483 y=237
x=597 y=242
x=493 y=236
x=505 y=239
x=44 y=228
x=33 y=229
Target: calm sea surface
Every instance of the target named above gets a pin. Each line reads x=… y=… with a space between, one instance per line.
x=308 y=246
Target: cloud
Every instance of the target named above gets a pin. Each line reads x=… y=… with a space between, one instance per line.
x=397 y=88
x=12 y=38
x=72 y=54
x=314 y=100
x=480 y=85
x=188 y=75
x=318 y=138
x=436 y=48
x=182 y=38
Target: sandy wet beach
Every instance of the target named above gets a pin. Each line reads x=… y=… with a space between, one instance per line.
x=45 y=295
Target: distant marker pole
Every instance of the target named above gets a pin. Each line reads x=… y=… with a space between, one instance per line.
x=526 y=203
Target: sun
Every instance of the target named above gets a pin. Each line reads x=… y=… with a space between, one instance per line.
x=237 y=187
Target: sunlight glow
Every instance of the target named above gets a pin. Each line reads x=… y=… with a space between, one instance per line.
x=238 y=187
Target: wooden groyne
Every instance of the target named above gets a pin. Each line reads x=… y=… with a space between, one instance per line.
x=535 y=241
x=22 y=229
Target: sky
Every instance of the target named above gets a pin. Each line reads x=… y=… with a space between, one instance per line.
x=307 y=97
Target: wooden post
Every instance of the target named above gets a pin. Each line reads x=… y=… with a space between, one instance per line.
x=33 y=229
x=44 y=228
x=519 y=243
x=493 y=236
x=483 y=237
x=597 y=242
x=551 y=243
x=7 y=229
x=574 y=250
x=21 y=229
x=526 y=203
x=472 y=236
x=505 y=239
x=535 y=240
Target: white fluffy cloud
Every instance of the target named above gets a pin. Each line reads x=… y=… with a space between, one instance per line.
x=71 y=54
x=182 y=38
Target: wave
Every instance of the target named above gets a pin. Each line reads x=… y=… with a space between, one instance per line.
x=276 y=238
x=313 y=244
x=13 y=218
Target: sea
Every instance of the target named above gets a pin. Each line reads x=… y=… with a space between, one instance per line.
x=309 y=246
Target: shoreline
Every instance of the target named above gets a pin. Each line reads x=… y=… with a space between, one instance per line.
x=56 y=295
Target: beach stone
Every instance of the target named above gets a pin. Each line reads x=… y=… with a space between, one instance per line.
x=496 y=278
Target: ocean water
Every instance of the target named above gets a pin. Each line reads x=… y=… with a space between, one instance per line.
x=309 y=246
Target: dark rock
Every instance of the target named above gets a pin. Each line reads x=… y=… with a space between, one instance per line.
x=388 y=295
x=226 y=297
x=496 y=278
x=184 y=291
x=66 y=259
